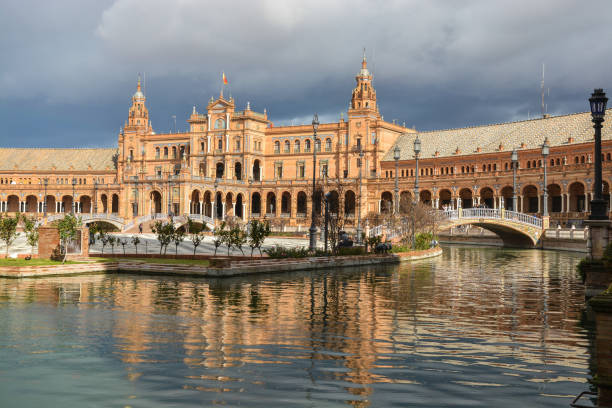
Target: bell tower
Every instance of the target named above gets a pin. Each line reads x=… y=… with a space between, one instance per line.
x=364 y=95
x=138 y=117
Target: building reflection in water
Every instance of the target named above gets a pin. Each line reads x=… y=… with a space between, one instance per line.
x=514 y=313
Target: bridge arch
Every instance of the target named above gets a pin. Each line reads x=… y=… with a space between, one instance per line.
x=511 y=236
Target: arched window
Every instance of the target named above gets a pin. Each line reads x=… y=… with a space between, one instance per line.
x=318 y=145
x=287 y=148
x=328 y=145
x=174 y=152
x=484 y=167
x=296 y=146
x=576 y=159
x=277 y=147
x=307 y=145
x=219 y=124
x=157 y=152
x=528 y=164
x=581 y=159
x=165 y=152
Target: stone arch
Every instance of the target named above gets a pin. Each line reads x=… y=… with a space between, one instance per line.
x=31 y=204
x=219 y=170
x=405 y=202
x=12 y=203
x=256 y=203
x=349 y=203
x=577 y=197
x=218 y=205
x=115 y=204
x=50 y=202
x=487 y=197
x=156 y=202
x=238 y=170
x=271 y=204
x=104 y=201
x=554 y=198
x=67 y=204
x=208 y=210
x=512 y=235
x=195 y=207
x=466 y=196
x=229 y=205
x=85 y=204
x=257 y=170
x=386 y=202
x=530 y=199
x=446 y=198
x=507 y=193
x=238 y=208
x=425 y=196
x=333 y=202
x=286 y=203
x=302 y=203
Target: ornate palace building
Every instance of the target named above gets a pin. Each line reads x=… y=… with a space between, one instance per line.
x=237 y=163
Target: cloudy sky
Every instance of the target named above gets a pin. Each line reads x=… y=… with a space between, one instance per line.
x=69 y=67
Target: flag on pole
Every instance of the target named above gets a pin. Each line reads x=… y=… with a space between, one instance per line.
x=224 y=79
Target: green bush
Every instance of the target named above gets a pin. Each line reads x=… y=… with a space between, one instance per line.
x=400 y=248
x=351 y=251
x=423 y=241
x=282 y=252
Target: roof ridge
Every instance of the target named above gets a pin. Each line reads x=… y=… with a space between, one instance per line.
x=507 y=123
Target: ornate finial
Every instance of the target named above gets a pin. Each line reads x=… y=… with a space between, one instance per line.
x=194 y=111
x=221 y=94
x=248 y=105
x=211 y=100
x=364 y=64
x=138 y=87
x=265 y=111
x=341 y=115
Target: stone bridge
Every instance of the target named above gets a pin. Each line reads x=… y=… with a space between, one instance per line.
x=514 y=228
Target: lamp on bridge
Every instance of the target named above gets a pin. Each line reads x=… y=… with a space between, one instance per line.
x=313 y=227
x=545 y=153
x=74 y=181
x=514 y=158
x=598 y=102
x=417 y=150
x=396 y=157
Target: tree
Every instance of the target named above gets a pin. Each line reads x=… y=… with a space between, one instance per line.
x=103 y=237
x=68 y=228
x=165 y=233
x=178 y=237
x=196 y=233
x=135 y=242
x=112 y=241
x=123 y=243
x=238 y=237
x=258 y=232
x=219 y=234
x=31 y=231
x=8 y=230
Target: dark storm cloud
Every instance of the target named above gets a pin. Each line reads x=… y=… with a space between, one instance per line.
x=69 y=67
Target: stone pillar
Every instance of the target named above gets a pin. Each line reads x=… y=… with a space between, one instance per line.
x=562 y=203
x=201 y=207
x=587 y=204
x=234 y=209
x=244 y=211
x=222 y=210
x=213 y=210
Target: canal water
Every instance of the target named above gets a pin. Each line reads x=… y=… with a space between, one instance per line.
x=476 y=327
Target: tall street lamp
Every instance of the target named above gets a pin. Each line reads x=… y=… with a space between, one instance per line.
x=46 y=183
x=360 y=165
x=598 y=102
x=169 y=193
x=74 y=181
x=545 y=153
x=396 y=157
x=95 y=203
x=313 y=228
x=514 y=158
x=417 y=150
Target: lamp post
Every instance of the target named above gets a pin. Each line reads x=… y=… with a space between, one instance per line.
x=514 y=158
x=74 y=181
x=396 y=157
x=360 y=165
x=169 y=193
x=326 y=235
x=313 y=228
x=545 y=153
x=417 y=150
x=598 y=102
x=95 y=204
x=45 y=183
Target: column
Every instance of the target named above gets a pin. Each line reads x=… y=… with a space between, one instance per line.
x=234 y=208
x=213 y=210
x=190 y=207
x=208 y=139
x=587 y=204
x=201 y=207
x=379 y=207
x=539 y=203
x=244 y=213
x=223 y=210
x=494 y=202
x=562 y=202
x=208 y=122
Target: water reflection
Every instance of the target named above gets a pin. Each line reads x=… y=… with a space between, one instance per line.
x=477 y=327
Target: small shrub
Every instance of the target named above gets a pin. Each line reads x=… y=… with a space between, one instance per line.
x=400 y=248
x=281 y=252
x=423 y=241
x=343 y=251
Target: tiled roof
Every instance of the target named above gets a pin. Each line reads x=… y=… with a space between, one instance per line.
x=18 y=159
x=531 y=133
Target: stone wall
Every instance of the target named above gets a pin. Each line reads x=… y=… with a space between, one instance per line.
x=49 y=241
